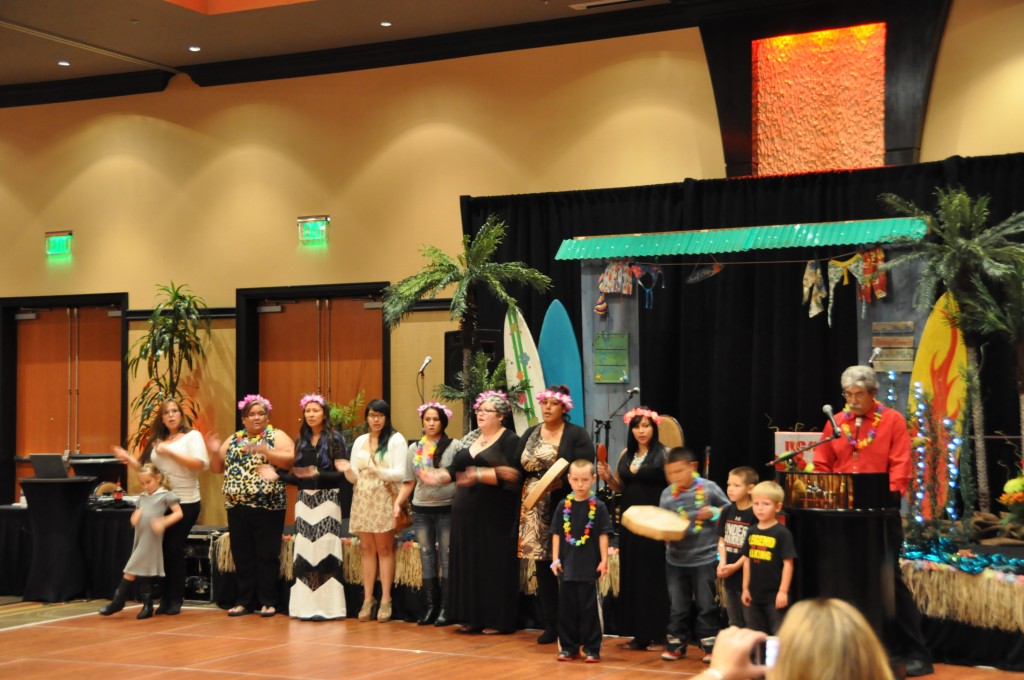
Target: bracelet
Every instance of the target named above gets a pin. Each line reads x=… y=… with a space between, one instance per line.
x=478 y=474
x=715 y=514
x=555 y=563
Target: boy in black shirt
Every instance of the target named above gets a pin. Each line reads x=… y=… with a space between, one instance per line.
x=579 y=552
x=733 y=525
x=769 y=567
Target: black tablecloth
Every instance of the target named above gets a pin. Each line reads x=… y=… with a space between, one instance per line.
x=105 y=540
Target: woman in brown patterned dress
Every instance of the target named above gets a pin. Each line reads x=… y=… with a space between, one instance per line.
x=256 y=506
x=539 y=447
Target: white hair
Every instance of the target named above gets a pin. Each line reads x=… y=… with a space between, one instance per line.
x=859 y=376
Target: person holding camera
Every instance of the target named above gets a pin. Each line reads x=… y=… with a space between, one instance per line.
x=843 y=647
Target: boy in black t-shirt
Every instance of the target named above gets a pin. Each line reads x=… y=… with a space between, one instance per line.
x=579 y=552
x=733 y=526
x=769 y=567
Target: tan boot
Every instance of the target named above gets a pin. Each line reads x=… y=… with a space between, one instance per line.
x=366 y=612
x=384 y=615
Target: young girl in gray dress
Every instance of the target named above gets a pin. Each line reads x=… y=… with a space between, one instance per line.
x=158 y=509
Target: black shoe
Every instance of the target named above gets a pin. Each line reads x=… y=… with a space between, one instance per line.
x=146 y=595
x=548 y=636
x=431 y=602
x=442 y=618
x=116 y=603
x=919 y=667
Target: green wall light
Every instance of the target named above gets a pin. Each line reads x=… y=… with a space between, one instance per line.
x=58 y=243
x=313 y=229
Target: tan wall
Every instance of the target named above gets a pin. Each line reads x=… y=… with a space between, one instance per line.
x=203 y=185
x=977 y=95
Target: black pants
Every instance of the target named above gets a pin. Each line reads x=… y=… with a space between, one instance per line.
x=906 y=640
x=175 y=539
x=579 y=618
x=547 y=596
x=256 y=550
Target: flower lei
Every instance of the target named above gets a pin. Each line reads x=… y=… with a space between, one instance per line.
x=859 y=444
x=567 y=525
x=311 y=397
x=491 y=395
x=700 y=496
x=565 y=399
x=441 y=408
x=249 y=398
x=425 y=450
x=646 y=413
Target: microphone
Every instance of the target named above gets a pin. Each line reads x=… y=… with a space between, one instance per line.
x=827 y=410
x=633 y=390
x=424 y=366
x=874 y=355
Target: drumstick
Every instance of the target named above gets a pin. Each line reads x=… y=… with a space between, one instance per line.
x=602 y=453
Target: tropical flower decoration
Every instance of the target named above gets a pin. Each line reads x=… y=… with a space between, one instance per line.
x=249 y=398
x=433 y=404
x=647 y=413
x=565 y=399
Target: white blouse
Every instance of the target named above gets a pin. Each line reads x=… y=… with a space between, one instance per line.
x=391 y=465
x=183 y=481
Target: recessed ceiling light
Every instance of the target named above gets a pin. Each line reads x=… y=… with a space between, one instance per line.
x=194 y=48
x=63 y=62
x=385 y=24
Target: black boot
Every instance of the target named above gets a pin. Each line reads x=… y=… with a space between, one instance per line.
x=442 y=598
x=430 y=601
x=116 y=603
x=146 y=595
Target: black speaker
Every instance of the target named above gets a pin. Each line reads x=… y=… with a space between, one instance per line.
x=489 y=341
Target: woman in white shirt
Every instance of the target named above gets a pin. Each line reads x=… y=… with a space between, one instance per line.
x=376 y=471
x=179 y=452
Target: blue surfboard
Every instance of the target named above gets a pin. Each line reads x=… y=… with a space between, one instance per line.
x=560 y=357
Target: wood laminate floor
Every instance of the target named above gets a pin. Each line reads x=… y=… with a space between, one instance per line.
x=205 y=643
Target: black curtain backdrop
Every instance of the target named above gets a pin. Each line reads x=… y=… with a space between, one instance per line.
x=726 y=355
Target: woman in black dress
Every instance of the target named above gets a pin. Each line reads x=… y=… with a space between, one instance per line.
x=640 y=477
x=484 y=592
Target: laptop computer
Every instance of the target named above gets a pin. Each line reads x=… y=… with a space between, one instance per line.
x=48 y=465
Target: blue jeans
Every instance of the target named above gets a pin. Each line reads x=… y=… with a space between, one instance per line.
x=433 y=531
x=685 y=586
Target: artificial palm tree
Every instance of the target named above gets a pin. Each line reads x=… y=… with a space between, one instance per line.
x=172 y=343
x=977 y=263
x=472 y=269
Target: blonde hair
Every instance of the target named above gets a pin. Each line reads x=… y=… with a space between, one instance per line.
x=770 y=490
x=582 y=464
x=150 y=469
x=843 y=646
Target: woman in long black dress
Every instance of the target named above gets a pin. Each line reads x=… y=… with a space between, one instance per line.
x=640 y=477
x=484 y=592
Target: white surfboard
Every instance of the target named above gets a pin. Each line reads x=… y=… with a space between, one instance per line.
x=522 y=361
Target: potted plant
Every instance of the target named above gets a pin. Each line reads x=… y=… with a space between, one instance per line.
x=173 y=342
x=472 y=268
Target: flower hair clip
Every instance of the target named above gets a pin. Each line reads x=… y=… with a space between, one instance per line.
x=557 y=396
x=312 y=397
x=489 y=394
x=643 y=412
x=249 y=398
x=433 y=404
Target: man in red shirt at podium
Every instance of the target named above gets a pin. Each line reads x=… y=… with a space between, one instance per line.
x=874 y=438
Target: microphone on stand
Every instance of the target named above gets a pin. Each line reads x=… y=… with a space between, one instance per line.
x=874 y=355
x=827 y=410
x=633 y=390
x=424 y=366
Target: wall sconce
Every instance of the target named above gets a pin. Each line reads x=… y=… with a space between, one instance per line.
x=313 y=229
x=58 y=243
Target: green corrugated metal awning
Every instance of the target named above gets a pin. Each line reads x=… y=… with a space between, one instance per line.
x=717 y=241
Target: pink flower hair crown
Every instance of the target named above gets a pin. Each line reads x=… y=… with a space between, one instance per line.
x=433 y=404
x=249 y=398
x=643 y=412
x=490 y=394
x=312 y=397
x=557 y=396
